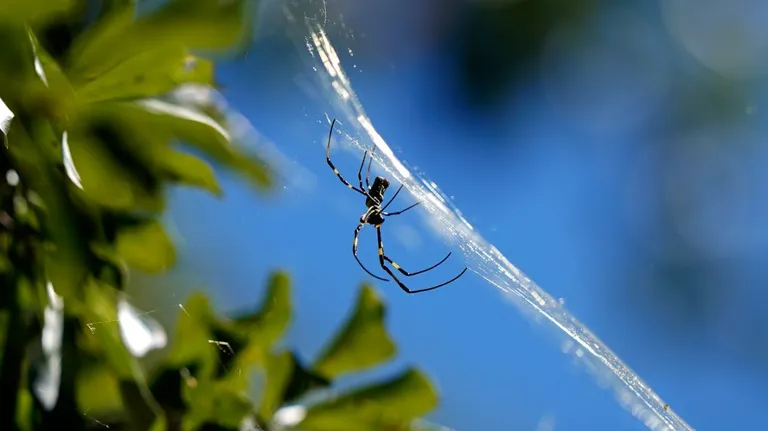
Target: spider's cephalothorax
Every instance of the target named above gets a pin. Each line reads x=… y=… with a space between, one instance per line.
x=377 y=190
x=375 y=215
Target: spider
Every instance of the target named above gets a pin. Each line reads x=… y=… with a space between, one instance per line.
x=375 y=214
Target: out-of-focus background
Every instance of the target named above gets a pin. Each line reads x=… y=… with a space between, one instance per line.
x=614 y=151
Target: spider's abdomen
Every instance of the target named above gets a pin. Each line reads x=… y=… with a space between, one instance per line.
x=372 y=203
x=375 y=218
x=377 y=190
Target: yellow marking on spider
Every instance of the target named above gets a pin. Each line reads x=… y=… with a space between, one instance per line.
x=349 y=185
x=381 y=251
x=395 y=265
x=335 y=171
x=355 y=242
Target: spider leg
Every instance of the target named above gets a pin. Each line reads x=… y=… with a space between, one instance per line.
x=392 y=198
x=354 y=253
x=360 y=172
x=368 y=173
x=401 y=211
x=367 y=183
x=336 y=171
x=410 y=274
x=383 y=258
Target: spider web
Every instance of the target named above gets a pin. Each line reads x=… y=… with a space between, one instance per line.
x=482 y=258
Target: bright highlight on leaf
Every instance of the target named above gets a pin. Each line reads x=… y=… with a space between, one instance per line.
x=5 y=117
x=46 y=386
x=139 y=332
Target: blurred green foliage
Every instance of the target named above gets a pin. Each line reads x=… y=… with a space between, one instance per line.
x=204 y=380
x=92 y=139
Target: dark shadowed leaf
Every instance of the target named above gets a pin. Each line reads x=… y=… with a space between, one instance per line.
x=362 y=342
x=166 y=386
x=193 y=24
x=142 y=408
x=386 y=405
x=97 y=173
x=16 y=58
x=144 y=152
x=286 y=380
x=111 y=6
x=99 y=165
x=64 y=263
x=56 y=92
x=146 y=247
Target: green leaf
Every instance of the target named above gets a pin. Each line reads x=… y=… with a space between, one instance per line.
x=386 y=405
x=255 y=333
x=35 y=11
x=187 y=169
x=203 y=133
x=22 y=89
x=65 y=259
x=57 y=93
x=96 y=172
x=201 y=24
x=146 y=247
x=152 y=73
x=25 y=410
x=362 y=342
x=215 y=402
x=193 y=332
x=286 y=380
x=17 y=56
x=193 y=24
x=98 y=390
x=268 y=324
x=146 y=155
x=100 y=306
x=108 y=178
x=157 y=120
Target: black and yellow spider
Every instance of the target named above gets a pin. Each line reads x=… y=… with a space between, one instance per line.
x=374 y=215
